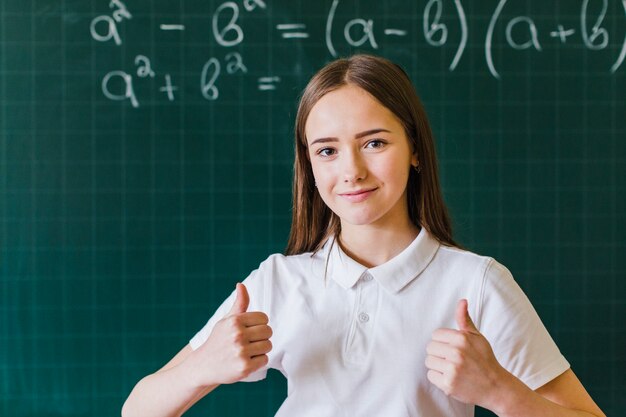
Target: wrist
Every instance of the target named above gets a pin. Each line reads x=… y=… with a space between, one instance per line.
x=192 y=372
x=508 y=393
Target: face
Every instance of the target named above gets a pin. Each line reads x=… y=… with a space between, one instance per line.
x=360 y=156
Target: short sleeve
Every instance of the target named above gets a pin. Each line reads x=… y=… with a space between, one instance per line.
x=256 y=289
x=520 y=341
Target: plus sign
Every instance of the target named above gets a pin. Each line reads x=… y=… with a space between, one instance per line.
x=168 y=88
x=561 y=33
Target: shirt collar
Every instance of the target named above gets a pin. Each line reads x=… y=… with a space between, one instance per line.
x=393 y=275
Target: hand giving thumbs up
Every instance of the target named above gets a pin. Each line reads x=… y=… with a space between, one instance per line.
x=461 y=362
x=238 y=344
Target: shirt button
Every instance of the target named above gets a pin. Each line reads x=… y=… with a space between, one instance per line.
x=364 y=317
x=367 y=277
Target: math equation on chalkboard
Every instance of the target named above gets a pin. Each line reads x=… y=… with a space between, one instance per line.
x=437 y=24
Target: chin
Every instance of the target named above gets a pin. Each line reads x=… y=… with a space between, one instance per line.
x=358 y=220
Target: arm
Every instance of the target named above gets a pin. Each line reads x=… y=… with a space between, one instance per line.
x=168 y=392
x=563 y=396
x=237 y=346
x=462 y=364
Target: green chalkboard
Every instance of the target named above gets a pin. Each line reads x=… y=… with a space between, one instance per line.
x=145 y=167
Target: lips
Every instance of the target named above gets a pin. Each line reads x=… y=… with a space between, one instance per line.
x=358 y=195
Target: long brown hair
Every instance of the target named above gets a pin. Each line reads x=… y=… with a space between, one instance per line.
x=312 y=221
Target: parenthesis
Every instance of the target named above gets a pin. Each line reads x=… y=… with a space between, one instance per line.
x=463 y=20
x=622 y=53
x=329 y=28
x=489 y=36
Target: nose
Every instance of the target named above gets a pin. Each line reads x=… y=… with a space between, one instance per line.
x=354 y=167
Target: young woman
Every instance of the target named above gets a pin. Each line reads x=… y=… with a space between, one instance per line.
x=374 y=309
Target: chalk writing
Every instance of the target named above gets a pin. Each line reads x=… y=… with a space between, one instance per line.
x=144 y=69
x=520 y=33
x=120 y=13
x=127 y=87
x=232 y=29
x=292 y=30
x=268 y=83
x=561 y=33
x=171 y=27
x=168 y=88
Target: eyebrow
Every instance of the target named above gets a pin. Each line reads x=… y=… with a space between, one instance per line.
x=357 y=136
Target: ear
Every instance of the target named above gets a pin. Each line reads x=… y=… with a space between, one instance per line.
x=414 y=160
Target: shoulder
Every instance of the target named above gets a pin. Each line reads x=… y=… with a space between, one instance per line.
x=282 y=269
x=278 y=262
x=287 y=281
x=486 y=274
x=468 y=262
x=495 y=294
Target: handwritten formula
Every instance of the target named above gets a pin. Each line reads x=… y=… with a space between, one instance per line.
x=228 y=29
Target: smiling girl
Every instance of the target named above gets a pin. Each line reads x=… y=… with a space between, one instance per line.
x=374 y=310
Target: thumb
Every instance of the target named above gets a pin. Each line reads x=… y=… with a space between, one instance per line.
x=242 y=300
x=463 y=319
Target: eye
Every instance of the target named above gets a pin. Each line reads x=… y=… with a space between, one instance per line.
x=375 y=144
x=326 y=152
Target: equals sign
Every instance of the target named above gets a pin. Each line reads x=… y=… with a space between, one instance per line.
x=268 y=83
x=292 y=30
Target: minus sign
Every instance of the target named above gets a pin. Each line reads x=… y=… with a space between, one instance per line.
x=396 y=32
x=172 y=27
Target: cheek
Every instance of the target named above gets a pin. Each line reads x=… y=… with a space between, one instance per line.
x=322 y=174
x=323 y=181
x=395 y=174
x=389 y=167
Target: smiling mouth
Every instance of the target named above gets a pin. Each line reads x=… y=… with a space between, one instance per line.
x=358 y=196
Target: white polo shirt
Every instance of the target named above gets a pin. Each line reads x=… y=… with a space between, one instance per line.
x=351 y=341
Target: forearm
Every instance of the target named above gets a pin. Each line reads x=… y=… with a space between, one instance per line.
x=166 y=393
x=515 y=399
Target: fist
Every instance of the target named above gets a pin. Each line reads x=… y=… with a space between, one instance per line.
x=238 y=344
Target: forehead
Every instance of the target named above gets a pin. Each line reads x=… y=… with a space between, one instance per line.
x=346 y=111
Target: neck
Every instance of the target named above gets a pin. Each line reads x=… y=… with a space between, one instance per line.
x=372 y=246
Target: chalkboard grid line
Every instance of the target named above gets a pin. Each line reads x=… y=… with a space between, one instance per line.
x=33 y=198
x=241 y=207
x=213 y=268
x=557 y=199
x=204 y=16
x=529 y=217
x=614 y=273
x=114 y=248
x=513 y=160
x=126 y=355
x=173 y=335
x=613 y=263
x=442 y=93
x=153 y=193
x=193 y=74
x=193 y=101
x=4 y=249
x=106 y=221
x=154 y=309
x=147 y=305
x=65 y=280
x=472 y=156
x=585 y=212
x=182 y=185
x=94 y=230
x=270 y=231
